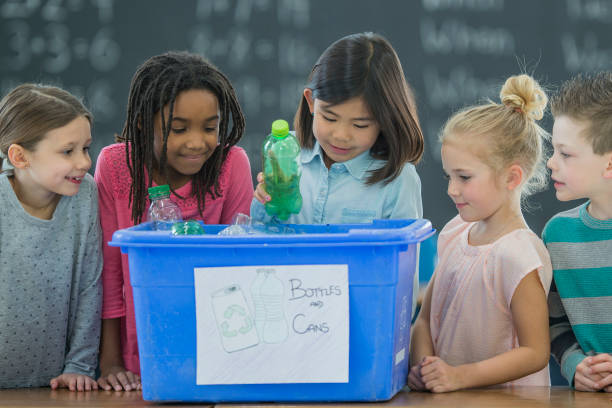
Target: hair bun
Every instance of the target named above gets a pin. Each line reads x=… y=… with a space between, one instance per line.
x=523 y=94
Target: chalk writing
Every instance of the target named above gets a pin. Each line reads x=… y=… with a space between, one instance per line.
x=585 y=55
x=472 y=5
x=455 y=36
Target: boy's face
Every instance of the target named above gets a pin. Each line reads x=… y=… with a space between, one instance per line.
x=577 y=172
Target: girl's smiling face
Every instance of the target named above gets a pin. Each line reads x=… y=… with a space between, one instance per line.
x=60 y=160
x=344 y=130
x=193 y=137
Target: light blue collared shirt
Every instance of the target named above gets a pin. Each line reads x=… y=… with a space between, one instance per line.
x=341 y=196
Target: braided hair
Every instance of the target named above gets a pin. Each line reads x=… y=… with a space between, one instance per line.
x=157 y=83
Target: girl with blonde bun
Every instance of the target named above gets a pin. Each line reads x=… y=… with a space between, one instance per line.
x=484 y=319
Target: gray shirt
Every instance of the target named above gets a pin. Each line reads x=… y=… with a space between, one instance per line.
x=50 y=288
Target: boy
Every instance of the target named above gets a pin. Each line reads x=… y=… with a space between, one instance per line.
x=580 y=240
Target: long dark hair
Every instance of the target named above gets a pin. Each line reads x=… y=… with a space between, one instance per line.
x=156 y=83
x=365 y=64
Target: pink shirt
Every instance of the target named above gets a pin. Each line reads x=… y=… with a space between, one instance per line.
x=113 y=179
x=470 y=317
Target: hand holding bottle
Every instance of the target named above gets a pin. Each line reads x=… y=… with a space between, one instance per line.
x=261 y=194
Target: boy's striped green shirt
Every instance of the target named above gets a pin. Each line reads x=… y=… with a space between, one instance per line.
x=580 y=299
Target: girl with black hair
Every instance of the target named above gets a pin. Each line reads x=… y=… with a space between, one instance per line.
x=360 y=136
x=183 y=122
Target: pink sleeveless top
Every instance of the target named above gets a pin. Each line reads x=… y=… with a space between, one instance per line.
x=470 y=317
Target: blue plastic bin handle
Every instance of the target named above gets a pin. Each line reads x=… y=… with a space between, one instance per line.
x=422 y=229
x=416 y=231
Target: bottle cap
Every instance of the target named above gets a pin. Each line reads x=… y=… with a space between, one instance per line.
x=280 y=128
x=159 y=191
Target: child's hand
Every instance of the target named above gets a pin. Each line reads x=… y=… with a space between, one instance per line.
x=260 y=191
x=601 y=366
x=439 y=376
x=415 y=382
x=118 y=378
x=74 y=382
x=585 y=379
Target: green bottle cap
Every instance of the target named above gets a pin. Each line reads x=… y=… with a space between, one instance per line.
x=159 y=191
x=280 y=128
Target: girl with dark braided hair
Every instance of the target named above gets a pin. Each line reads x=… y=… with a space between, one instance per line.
x=183 y=122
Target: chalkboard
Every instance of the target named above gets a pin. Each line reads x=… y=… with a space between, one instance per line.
x=454 y=53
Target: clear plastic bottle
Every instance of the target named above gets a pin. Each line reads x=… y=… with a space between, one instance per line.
x=282 y=170
x=163 y=212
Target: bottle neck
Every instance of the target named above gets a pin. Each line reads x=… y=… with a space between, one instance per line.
x=160 y=197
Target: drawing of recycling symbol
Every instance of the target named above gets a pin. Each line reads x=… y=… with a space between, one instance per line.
x=247 y=323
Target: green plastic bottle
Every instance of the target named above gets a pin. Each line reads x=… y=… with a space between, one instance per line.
x=282 y=171
x=190 y=227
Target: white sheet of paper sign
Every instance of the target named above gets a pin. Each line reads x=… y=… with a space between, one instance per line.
x=269 y=324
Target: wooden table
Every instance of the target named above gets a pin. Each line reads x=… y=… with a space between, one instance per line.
x=519 y=397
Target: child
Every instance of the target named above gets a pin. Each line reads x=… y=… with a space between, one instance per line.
x=484 y=315
x=360 y=136
x=50 y=242
x=580 y=240
x=183 y=121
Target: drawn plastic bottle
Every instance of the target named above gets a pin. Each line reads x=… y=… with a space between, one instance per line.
x=163 y=212
x=282 y=171
x=272 y=292
x=258 y=305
